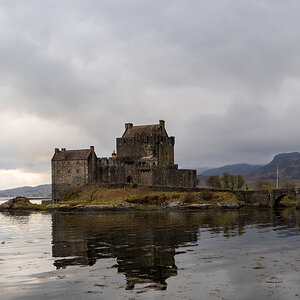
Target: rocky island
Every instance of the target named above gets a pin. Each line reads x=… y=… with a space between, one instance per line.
x=93 y=198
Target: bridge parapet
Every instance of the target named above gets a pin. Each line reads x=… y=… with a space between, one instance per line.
x=268 y=198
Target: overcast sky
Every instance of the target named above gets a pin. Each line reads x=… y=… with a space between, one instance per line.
x=223 y=74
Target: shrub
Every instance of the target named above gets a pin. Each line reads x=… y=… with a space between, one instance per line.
x=72 y=195
x=207 y=196
x=190 y=197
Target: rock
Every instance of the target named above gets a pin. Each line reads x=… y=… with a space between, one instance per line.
x=18 y=203
x=198 y=206
x=229 y=204
x=56 y=207
x=124 y=205
x=175 y=204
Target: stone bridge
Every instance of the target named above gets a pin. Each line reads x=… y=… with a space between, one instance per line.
x=269 y=198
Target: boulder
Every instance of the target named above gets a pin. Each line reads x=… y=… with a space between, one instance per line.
x=18 y=203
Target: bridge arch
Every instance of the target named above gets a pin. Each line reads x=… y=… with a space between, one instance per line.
x=279 y=198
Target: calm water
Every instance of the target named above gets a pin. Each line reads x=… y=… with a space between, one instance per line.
x=246 y=254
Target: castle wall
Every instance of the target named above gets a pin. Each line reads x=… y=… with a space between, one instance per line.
x=165 y=150
x=92 y=168
x=131 y=148
x=145 y=177
x=110 y=170
x=167 y=176
x=67 y=175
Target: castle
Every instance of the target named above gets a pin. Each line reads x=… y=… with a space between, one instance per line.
x=145 y=156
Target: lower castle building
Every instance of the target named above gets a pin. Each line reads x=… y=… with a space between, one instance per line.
x=145 y=156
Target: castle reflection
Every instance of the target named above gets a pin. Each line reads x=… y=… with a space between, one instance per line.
x=144 y=243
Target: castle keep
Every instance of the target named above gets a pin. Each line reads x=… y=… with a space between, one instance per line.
x=145 y=156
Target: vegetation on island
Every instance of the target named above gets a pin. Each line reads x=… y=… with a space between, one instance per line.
x=227 y=181
x=21 y=203
x=97 y=195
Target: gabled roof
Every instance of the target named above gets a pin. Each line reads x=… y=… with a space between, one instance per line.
x=72 y=154
x=137 y=130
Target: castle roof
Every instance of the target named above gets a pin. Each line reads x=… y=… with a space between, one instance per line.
x=137 y=130
x=72 y=154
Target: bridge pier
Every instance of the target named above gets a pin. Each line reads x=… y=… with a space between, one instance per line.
x=297 y=198
x=271 y=196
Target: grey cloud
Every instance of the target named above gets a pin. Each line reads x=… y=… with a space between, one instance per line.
x=219 y=72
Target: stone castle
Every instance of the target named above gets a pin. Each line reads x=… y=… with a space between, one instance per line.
x=145 y=156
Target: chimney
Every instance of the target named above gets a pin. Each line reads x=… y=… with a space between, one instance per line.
x=162 y=123
x=56 y=150
x=64 y=152
x=92 y=148
x=128 y=126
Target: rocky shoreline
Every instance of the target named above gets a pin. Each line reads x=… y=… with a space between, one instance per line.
x=25 y=204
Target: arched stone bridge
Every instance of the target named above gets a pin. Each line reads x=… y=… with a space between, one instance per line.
x=269 y=198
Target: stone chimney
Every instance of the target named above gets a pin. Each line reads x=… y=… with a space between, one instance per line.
x=128 y=126
x=56 y=150
x=92 y=148
x=64 y=152
x=162 y=123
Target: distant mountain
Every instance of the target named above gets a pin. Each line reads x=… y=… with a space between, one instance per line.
x=288 y=165
x=201 y=170
x=235 y=169
x=28 y=191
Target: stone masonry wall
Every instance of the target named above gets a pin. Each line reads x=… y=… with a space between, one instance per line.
x=131 y=148
x=164 y=176
x=67 y=175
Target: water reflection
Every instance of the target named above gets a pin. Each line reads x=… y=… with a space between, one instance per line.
x=145 y=243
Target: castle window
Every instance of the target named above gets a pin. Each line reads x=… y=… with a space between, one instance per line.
x=58 y=172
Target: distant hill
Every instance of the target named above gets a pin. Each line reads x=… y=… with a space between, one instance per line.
x=235 y=169
x=28 y=191
x=288 y=164
x=201 y=170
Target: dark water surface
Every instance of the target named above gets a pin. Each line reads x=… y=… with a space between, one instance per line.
x=237 y=254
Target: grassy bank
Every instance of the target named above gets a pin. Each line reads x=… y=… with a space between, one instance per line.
x=100 y=198
x=142 y=196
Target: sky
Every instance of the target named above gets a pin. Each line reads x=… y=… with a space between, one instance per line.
x=223 y=74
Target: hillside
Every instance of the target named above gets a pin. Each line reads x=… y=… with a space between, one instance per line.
x=288 y=165
x=235 y=169
x=28 y=191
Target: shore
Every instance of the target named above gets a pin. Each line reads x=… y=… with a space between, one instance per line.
x=118 y=207
x=108 y=199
